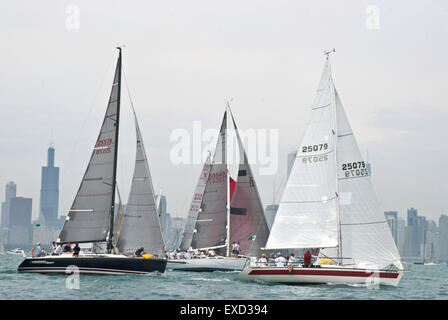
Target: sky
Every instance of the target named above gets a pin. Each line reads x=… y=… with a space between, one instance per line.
x=184 y=59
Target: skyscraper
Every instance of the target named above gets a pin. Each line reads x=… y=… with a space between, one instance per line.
x=20 y=232
x=392 y=220
x=421 y=235
x=11 y=190
x=164 y=216
x=443 y=237
x=411 y=233
x=49 y=192
x=401 y=236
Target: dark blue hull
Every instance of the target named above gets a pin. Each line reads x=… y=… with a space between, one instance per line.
x=93 y=265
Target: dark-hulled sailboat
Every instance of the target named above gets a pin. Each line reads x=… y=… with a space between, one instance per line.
x=91 y=217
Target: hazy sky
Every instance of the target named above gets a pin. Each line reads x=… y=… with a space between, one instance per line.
x=182 y=59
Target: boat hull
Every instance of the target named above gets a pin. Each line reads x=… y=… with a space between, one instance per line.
x=93 y=265
x=208 y=264
x=321 y=275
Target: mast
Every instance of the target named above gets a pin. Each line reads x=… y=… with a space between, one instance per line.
x=114 y=182
x=228 y=181
x=335 y=140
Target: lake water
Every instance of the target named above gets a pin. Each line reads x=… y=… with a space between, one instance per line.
x=420 y=282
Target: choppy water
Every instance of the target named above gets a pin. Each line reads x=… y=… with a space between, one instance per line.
x=419 y=283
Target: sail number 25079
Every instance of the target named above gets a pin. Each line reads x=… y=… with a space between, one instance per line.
x=316 y=147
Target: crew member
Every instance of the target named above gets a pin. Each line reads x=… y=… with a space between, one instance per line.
x=280 y=260
x=307 y=259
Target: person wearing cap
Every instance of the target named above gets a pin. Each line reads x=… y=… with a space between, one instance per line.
x=291 y=261
x=139 y=252
x=280 y=260
x=263 y=261
x=68 y=247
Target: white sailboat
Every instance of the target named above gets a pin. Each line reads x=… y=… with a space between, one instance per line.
x=226 y=208
x=329 y=204
x=16 y=251
x=91 y=216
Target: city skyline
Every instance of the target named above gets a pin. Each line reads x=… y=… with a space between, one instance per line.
x=189 y=66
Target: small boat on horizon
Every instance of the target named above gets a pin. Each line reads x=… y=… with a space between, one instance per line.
x=16 y=251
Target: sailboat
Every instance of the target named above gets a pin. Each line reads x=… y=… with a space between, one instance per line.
x=225 y=208
x=432 y=261
x=91 y=217
x=329 y=205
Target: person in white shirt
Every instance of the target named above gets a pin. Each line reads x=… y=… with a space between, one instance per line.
x=280 y=260
x=52 y=248
x=211 y=253
x=187 y=255
x=291 y=259
x=263 y=261
x=172 y=255
x=179 y=255
x=58 y=250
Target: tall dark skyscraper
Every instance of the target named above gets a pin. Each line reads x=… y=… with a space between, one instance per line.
x=49 y=191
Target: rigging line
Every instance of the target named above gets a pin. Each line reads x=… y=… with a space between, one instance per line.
x=362 y=223
x=311 y=201
x=129 y=92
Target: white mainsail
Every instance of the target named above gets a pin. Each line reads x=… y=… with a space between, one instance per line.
x=141 y=225
x=329 y=202
x=307 y=214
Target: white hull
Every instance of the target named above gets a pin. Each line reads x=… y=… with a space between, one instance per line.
x=16 y=251
x=207 y=264
x=321 y=275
